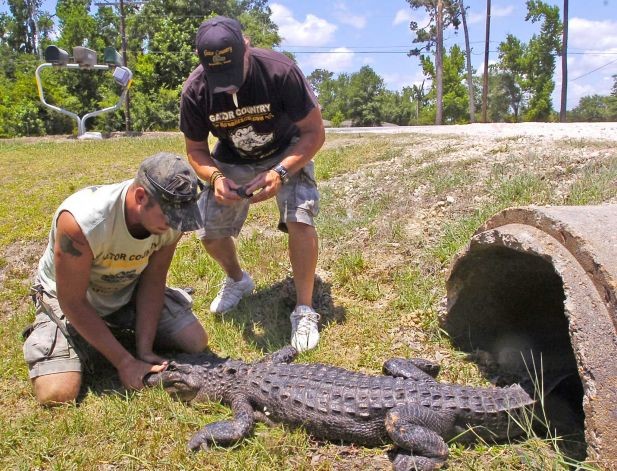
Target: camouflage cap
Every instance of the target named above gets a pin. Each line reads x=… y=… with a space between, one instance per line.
x=173 y=183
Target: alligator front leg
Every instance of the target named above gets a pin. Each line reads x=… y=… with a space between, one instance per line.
x=418 y=430
x=226 y=432
x=417 y=369
x=286 y=354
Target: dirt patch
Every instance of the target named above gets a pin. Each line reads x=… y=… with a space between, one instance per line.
x=19 y=263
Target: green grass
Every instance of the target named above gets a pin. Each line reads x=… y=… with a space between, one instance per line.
x=384 y=251
x=457 y=233
x=598 y=184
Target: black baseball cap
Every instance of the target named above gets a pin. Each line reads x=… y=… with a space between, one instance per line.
x=220 y=46
x=174 y=184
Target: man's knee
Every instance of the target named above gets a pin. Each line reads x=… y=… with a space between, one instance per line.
x=222 y=242
x=299 y=226
x=191 y=339
x=301 y=231
x=56 y=389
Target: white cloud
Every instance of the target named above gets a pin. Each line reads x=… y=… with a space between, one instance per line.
x=337 y=60
x=313 y=31
x=583 y=79
x=589 y=75
x=589 y=34
x=402 y=16
x=397 y=81
x=342 y=14
x=479 y=16
x=475 y=18
x=358 y=22
x=501 y=11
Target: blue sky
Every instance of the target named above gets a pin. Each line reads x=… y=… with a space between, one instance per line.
x=344 y=35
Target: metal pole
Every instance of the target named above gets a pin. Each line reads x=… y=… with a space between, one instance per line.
x=127 y=104
x=485 y=81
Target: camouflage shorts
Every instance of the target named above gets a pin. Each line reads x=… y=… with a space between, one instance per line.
x=297 y=200
x=47 y=350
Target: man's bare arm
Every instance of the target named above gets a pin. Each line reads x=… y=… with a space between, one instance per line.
x=73 y=261
x=312 y=137
x=198 y=153
x=150 y=300
x=199 y=156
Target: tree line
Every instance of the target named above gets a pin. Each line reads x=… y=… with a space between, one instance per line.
x=518 y=87
x=160 y=51
x=159 y=47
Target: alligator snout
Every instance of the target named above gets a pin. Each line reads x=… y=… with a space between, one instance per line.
x=152 y=379
x=169 y=375
x=176 y=380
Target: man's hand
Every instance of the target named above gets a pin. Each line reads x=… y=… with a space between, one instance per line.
x=225 y=191
x=153 y=358
x=269 y=182
x=133 y=371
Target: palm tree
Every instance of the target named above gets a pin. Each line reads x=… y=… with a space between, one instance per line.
x=417 y=92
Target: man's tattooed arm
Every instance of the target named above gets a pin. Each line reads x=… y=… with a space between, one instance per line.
x=67 y=245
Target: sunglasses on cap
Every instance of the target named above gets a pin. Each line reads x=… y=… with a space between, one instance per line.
x=175 y=198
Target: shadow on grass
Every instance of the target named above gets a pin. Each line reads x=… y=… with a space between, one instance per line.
x=264 y=315
x=100 y=377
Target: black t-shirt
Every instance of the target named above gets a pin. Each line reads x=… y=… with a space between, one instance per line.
x=273 y=97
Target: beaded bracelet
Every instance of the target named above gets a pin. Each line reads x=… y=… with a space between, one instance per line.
x=215 y=176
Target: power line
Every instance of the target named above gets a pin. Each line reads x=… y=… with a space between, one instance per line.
x=390 y=52
x=354 y=51
x=592 y=71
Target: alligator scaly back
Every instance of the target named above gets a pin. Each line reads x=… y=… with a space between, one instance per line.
x=405 y=406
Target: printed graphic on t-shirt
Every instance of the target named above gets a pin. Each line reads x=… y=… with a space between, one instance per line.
x=240 y=115
x=120 y=277
x=247 y=140
x=114 y=271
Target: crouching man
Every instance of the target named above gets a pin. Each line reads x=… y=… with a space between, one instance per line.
x=106 y=264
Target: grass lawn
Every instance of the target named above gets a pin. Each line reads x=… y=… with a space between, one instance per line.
x=394 y=211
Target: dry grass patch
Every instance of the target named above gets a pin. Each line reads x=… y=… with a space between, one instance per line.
x=394 y=211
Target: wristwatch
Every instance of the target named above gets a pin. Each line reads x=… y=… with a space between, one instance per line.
x=283 y=173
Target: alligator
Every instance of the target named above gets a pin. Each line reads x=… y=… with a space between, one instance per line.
x=405 y=406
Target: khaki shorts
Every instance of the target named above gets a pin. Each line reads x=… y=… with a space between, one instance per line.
x=47 y=350
x=297 y=200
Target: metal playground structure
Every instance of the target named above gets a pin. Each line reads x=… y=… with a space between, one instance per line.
x=86 y=59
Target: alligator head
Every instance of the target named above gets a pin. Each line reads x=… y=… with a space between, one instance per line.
x=204 y=376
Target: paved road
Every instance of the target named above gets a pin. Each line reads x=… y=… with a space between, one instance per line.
x=549 y=130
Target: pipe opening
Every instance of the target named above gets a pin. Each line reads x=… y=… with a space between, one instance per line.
x=506 y=308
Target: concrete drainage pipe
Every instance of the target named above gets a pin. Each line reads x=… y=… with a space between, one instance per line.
x=538 y=285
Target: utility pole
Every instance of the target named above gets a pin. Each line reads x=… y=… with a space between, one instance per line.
x=564 y=65
x=472 y=97
x=120 y=4
x=127 y=103
x=485 y=79
x=439 y=63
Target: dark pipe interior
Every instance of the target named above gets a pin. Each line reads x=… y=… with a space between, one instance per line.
x=511 y=305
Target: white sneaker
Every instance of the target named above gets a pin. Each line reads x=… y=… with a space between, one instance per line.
x=231 y=293
x=304 y=332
